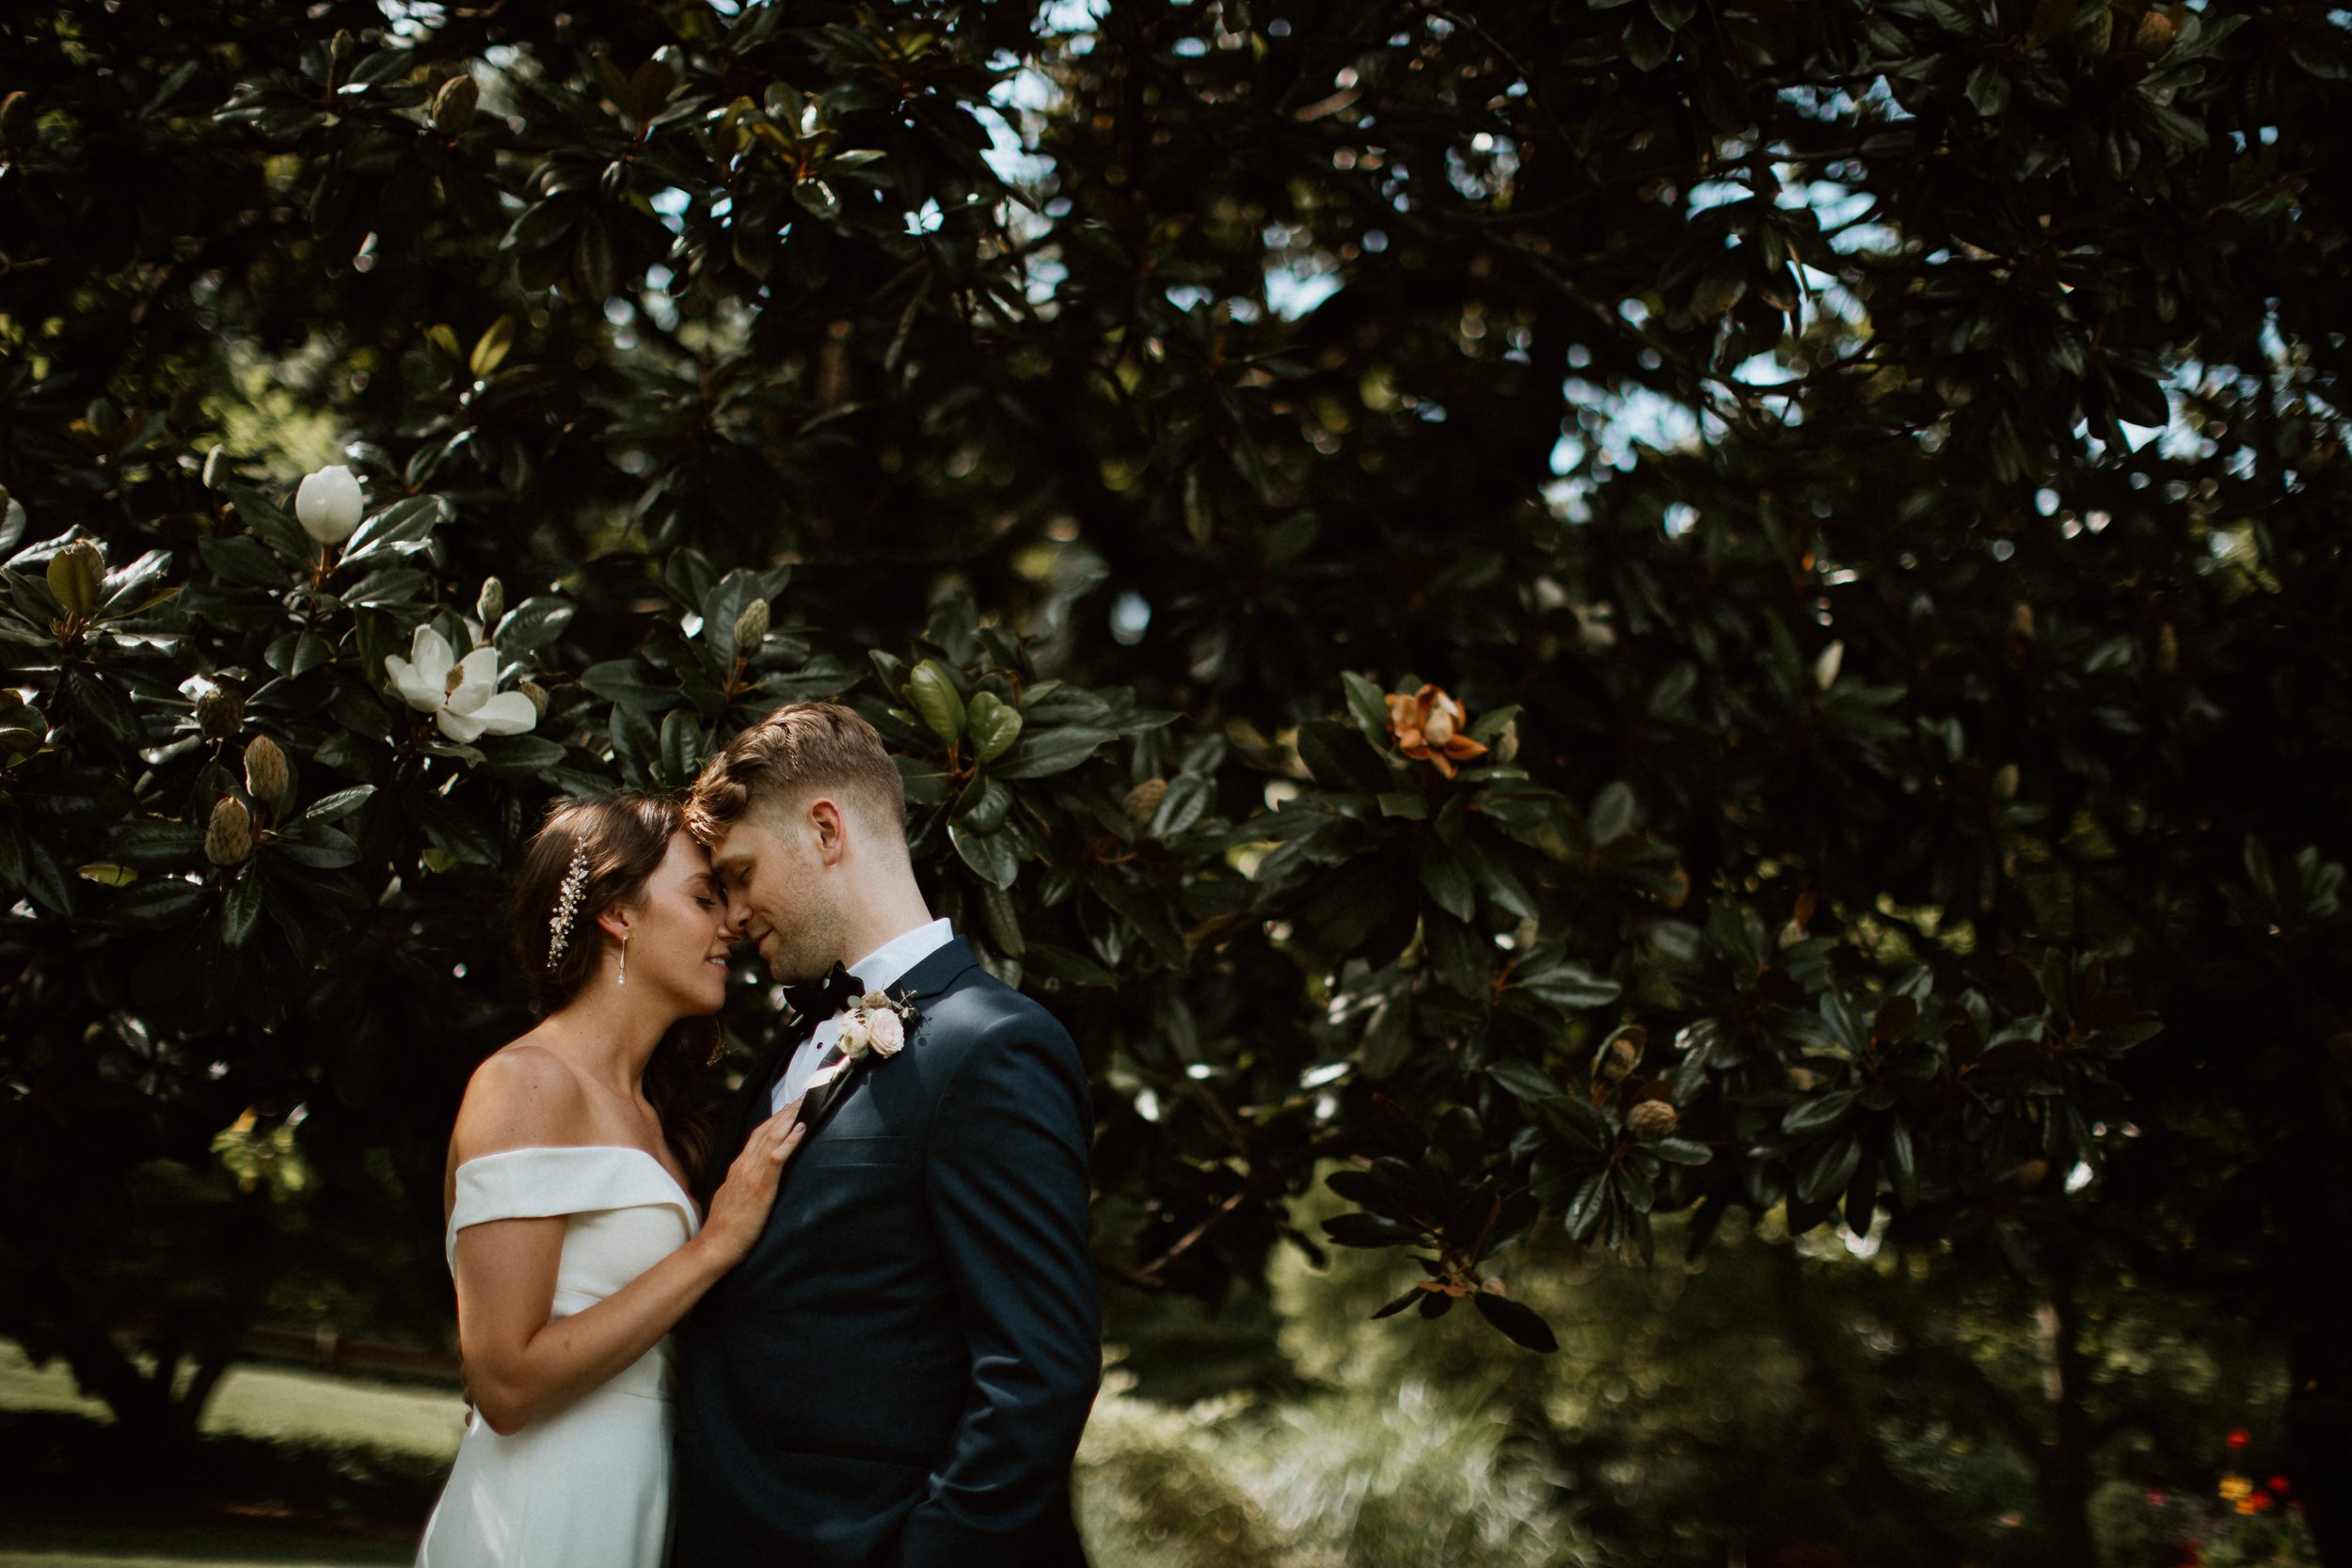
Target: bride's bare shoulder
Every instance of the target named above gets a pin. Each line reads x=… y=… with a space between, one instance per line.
x=521 y=1096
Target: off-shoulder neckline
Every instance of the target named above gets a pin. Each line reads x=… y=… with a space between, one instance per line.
x=608 y=1148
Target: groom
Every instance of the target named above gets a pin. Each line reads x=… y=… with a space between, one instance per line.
x=898 y=1373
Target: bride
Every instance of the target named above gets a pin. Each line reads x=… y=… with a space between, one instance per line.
x=572 y=1239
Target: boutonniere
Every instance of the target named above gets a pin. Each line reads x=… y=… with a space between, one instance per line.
x=874 y=1025
x=877 y=1024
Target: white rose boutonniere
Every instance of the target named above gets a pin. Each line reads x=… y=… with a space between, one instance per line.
x=877 y=1026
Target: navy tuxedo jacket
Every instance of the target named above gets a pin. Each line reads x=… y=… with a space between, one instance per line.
x=897 y=1376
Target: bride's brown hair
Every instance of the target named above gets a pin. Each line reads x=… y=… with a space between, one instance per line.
x=623 y=840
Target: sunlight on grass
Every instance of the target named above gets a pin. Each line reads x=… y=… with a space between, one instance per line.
x=269 y=1402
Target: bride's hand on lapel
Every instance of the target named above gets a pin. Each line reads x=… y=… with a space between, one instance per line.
x=739 y=1209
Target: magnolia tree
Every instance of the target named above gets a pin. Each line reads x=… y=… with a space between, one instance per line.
x=1546 y=614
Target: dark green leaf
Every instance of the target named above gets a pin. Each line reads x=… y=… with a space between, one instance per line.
x=1820 y=1110
x=627 y=682
x=1042 y=754
x=1523 y=1079
x=1518 y=1323
x=1341 y=759
x=991 y=856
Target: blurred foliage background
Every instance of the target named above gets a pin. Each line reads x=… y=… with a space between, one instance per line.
x=1562 y=632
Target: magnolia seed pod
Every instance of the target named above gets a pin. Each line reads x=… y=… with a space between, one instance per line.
x=751 y=627
x=75 y=575
x=219 y=712
x=1651 y=1118
x=265 y=777
x=453 y=106
x=1143 y=802
x=490 y=605
x=2100 y=34
x=537 y=693
x=229 y=836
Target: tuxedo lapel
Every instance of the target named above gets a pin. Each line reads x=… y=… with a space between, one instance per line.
x=939 y=970
x=817 y=1100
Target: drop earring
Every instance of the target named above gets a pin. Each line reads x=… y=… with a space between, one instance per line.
x=623 y=980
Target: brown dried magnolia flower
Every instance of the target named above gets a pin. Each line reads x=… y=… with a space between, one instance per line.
x=1429 y=725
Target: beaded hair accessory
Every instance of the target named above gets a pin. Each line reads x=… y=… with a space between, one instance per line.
x=566 y=905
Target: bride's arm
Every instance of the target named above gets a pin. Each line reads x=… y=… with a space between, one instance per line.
x=519 y=1366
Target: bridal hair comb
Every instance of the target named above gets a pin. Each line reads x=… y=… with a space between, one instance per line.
x=566 y=905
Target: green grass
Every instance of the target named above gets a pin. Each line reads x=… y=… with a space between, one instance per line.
x=275 y=1402
x=302 y=1470
x=98 y=1544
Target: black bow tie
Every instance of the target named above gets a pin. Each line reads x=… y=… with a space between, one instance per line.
x=819 y=1000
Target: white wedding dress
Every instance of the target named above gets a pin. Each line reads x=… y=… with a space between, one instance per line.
x=588 y=1487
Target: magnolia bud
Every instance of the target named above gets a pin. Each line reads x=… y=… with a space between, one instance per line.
x=2100 y=34
x=491 y=604
x=16 y=117
x=2021 y=620
x=229 y=836
x=76 y=573
x=751 y=627
x=1617 y=1059
x=1799 y=1079
x=1143 y=802
x=537 y=693
x=454 y=105
x=2153 y=36
x=219 y=712
x=2005 y=781
x=342 y=46
x=328 y=504
x=1507 y=744
x=1826 y=666
x=265 y=770
x=2168 y=649
x=1651 y=1118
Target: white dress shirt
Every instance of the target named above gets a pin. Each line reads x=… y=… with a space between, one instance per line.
x=878 y=971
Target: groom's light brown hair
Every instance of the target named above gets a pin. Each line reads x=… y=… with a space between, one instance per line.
x=801 y=749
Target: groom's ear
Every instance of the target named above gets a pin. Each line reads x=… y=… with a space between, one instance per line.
x=830 y=828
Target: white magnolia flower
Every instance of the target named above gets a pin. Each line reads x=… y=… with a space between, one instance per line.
x=462 y=695
x=328 y=504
